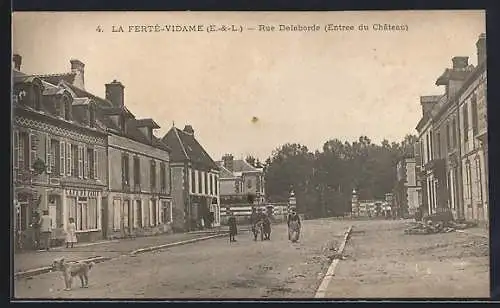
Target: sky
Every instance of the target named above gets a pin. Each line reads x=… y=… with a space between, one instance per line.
x=249 y=92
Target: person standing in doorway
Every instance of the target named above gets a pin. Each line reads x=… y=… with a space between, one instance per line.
x=46 y=229
x=71 y=233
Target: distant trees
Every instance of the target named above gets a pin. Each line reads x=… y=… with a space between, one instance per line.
x=323 y=181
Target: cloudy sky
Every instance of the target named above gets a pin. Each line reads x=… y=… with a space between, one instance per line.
x=302 y=87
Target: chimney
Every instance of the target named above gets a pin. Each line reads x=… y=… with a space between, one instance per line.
x=428 y=102
x=189 y=129
x=115 y=93
x=481 y=48
x=17 y=59
x=460 y=63
x=228 y=162
x=78 y=67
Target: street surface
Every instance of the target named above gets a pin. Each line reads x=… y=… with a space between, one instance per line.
x=382 y=262
x=209 y=269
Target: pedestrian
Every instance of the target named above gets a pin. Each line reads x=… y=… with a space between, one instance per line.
x=232 y=227
x=46 y=229
x=71 y=233
x=294 y=226
x=35 y=227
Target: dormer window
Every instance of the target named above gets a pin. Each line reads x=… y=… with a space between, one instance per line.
x=67 y=108
x=92 y=115
x=37 y=97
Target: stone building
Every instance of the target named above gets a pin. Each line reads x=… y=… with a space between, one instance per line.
x=452 y=141
x=471 y=101
x=195 y=181
x=407 y=188
x=59 y=156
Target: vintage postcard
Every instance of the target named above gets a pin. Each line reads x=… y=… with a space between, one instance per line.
x=250 y=155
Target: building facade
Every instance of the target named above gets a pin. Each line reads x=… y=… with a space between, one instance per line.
x=138 y=198
x=473 y=134
x=195 y=182
x=452 y=141
x=59 y=157
x=407 y=188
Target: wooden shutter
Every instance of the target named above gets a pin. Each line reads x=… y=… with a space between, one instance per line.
x=48 y=155
x=15 y=157
x=32 y=146
x=68 y=159
x=94 y=167
x=80 y=161
x=62 y=155
x=85 y=163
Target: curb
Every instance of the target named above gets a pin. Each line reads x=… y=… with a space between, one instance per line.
x=47 y=269
x=99 y=259
x=321 y=292
x=153 y=248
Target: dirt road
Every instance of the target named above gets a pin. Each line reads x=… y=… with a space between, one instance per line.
x=382 y=262
x=209 y=269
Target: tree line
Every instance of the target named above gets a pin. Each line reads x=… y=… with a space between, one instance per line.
x=323 y=180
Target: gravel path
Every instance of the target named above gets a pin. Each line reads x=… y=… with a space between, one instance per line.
x=382 y=262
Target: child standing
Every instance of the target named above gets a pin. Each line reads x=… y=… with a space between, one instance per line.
x=71 y=233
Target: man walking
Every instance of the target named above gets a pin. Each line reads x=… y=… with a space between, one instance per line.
x=46 y=229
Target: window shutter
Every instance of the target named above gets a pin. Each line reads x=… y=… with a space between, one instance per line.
x=80 y=161
x=32 y=146
x=85 y=163
x=15 y=157
x=62 y=155
x=69 y=166
x=94 y=167
x=48 y=155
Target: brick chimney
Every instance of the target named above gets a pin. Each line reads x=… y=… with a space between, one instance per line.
x=78 y=67
x=481 y=48
x=188 y=129
x=460 y=63
x=17 y=59
x=115 y=93
x=228 y=162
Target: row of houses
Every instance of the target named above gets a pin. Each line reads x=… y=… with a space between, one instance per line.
x=452 y=148
x=82 y=156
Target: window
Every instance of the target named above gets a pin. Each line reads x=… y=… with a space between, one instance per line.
x=55 y=156
x=216 y=185
x=84 y=211
x=138 y=214
x=137 y=171
x=166 y=211
x=431 y=135
x=479 y=185
x=23 y=158
x=211 y=184
x=163 y=175
x=125 y=171
x=237 y=186
x=154 y=212
x=67 y=108
x=125 y=213
x=438 y=145
x=200 y=187
x=92 y=214
x=468 y=184
x=80 y=161
x=428 y=148
x=454 y=133
x=75 y=159
x=474 y=114
x=117 y=204
x=92 y=116
x=89 y=164
x=205 y=182
x=448 y=136
x=193 y=181
x=152 y=175
x=465 y=114
x=258 y=184
x=62 y=158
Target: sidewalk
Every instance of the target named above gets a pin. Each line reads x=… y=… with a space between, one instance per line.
x=113 y=248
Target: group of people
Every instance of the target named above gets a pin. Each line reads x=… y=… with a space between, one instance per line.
x=42 y=226
x=261 y=223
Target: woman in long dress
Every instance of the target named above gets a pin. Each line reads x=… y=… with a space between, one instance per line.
x=71 y=233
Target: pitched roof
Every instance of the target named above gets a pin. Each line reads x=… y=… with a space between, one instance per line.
x=57 y=78
x=185 y=147
x=224 y=172
x=241 y=165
